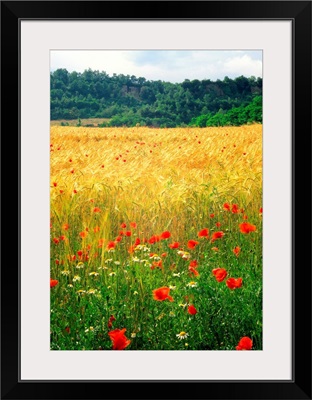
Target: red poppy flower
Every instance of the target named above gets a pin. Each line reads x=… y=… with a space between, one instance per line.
x=133 y=224
x=67 y=329
x=96 y=209
x=157 y=264
x=110 y=321
x=220 y=274
x=174 y=245
x=218 y=224
x=191 y=244
x=236 y=250
x=128 y=233
x=234 y=283
x=191 y=310
x=131 y=249
x=79 y=252
x=214 y=248
x=217 y=235
x=194 y=264
x=211 y=215
x=83 y=234
x=137 y=242
x=165 y=235
x=244 y=344
x=162 y=294
x=120 y=341
x=118 y=239
x=54 y=184
x=235 y=209
x=53 y=282
x=101 y=242
x=193 y=271
x=154 y=239
x=260 y=210
x=123 y=225
x=111 y=245
x=203 y=233
x=226 y=206
x=56 y=240
x=96 y=229
x=246 y=227
x=57 y=262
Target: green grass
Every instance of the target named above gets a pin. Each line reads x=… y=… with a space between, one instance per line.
x=101 y=283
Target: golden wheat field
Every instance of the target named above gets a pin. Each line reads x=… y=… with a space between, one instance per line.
x=159 y=178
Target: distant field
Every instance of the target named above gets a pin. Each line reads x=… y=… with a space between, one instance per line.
x=84 y=121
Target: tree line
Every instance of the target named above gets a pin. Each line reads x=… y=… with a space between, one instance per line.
x=128 y=101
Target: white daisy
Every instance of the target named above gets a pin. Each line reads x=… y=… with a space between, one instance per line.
x=182 y=335
x=186 y=255
x=171 y=314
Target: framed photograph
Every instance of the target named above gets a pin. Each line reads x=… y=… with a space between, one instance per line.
x=149 y=144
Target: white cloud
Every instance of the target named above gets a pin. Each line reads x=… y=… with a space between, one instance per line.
x=173 y=66
x=243 y=65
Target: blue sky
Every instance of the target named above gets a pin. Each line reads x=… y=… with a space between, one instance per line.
x=166 y=65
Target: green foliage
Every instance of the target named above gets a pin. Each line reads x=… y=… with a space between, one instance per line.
x=248 y=114
x=129 y=100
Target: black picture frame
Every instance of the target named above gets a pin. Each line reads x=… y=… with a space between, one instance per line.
x=300 y=14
